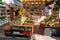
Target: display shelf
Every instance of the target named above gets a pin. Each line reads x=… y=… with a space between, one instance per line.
x=22 y=30
x=8 y=12
x=3 y=15
x=3 y=22
x=19 y=32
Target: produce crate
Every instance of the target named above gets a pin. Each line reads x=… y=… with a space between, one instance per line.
x=25 y=30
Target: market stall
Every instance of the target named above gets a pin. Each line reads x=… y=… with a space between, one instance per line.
x=32 y=14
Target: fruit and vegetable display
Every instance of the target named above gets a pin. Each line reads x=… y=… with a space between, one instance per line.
x=29 y=21
x=28 y=29
x=52 y=22
x=3 y=15
x=48 y=18
x=22 y=28
x=16 y=22
x=3 y=18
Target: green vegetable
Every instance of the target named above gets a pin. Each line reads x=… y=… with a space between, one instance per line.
x=29 y=29
x=24 y=11
x=48 y=18
x=22 y=28
x=3 y=18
